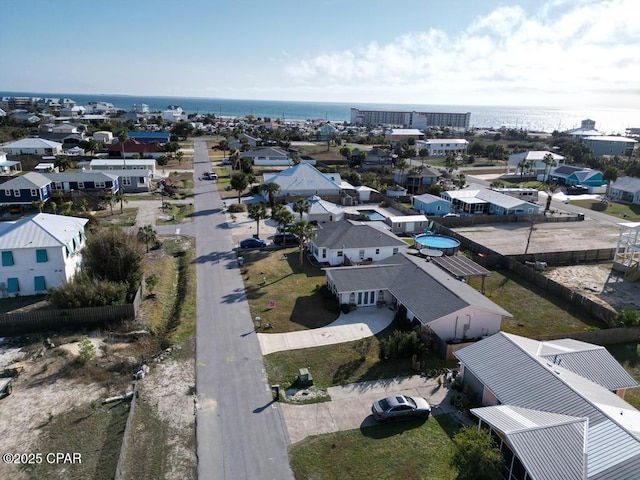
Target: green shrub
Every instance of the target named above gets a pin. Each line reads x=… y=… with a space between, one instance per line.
x=629 y=317
x=86 y=350
x=237 y=207
x=84 y=291
x=400 y=345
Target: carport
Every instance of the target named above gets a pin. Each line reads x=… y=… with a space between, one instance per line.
x=461 y=267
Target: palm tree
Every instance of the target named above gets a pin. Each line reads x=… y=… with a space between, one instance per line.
x=120 y=197
x=301 y=206
x=270 y=188
x=304 y=231
x=549 y=163
x=257 y=212
x=39 y=204
x=239 y=183
x=147 y=235
x=180 y=157
x=610 y=175
x=54 y=206
x=111 y=200
x=282 y=217
x=401 y=164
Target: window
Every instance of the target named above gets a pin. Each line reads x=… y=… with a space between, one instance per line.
x=339 y=253
x=58 y=185
x=12 y=285
x=7 y=193
x=377 y=251
x=126 y=181
x=324 y=253
x=16 y=193
x=395 y=250
x=41 y=256
x=361 y=253
x=99 y=184
x=34 y=192
x=7 y=259
x=39 y=284
x=80 y=184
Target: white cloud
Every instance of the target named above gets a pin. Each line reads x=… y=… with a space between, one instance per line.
x=566 y=51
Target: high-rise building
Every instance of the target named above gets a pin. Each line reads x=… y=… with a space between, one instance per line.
x=419 y=120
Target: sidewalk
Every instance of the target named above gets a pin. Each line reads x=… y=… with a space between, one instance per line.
x=350 y=406
x=361 y=323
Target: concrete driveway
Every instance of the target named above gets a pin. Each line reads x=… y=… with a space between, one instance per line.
x=361 y=323
x=350 y=406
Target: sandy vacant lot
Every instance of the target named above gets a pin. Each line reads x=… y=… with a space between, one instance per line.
x=599 y=283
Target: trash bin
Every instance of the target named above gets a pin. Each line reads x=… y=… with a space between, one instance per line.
x=580 y=217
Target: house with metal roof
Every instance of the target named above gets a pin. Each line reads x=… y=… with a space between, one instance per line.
x=570 y=175
x=33 y=186
x=112 y=164
x=428 y=204
x=428 y=295
x=555 y=408
x=32 y=146
x=40 y=252
x=304 y=180
x=533 y=162
x=626 y=189
x=351 y=242
x=320 y=211
x=488 y=202
x=610 y=145
x=9 y=167
x=270 y=156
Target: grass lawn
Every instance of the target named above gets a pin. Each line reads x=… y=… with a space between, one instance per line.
x=630 y=213
x=278 y=275
x=628 y=354
x=534 y=311
x=407 y=450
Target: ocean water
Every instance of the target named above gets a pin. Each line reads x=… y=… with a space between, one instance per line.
x=544 y=119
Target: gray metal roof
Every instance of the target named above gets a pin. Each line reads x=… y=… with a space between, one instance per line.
x=595 y=364
x=347 y=234
x=41 y=231
x=28 y=180
x=83 y=176
x=302 y=178
x=510 y=368
x=552 y=453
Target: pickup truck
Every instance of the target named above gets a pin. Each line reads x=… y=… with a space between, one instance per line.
x=210 y=175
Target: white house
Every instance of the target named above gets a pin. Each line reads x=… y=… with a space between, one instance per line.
x=320 y=211
x=103 y=164
x=626 y=189
x=50 y=257
x=441 y=147
x=304 y=180
x=407 y=223
x=349 y=242
x=429 y=295
x=532 y=162
x=32 y=146
x=103 y=137
x=173 y=114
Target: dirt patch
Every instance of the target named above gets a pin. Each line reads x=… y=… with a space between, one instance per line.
x=600 y=283
x=162 y=444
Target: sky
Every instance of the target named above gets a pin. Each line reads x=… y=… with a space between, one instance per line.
x=566 y=53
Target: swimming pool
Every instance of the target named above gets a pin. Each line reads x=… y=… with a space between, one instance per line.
x=372 y=214
x=447 y=245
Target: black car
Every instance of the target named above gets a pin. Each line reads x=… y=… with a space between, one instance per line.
x=287 y=238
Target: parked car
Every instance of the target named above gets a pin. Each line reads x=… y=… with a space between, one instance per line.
x=225 y=161
x=287 y=238
x=400 y=406
x=210 y=175
x=253 y=243
x=577 y=190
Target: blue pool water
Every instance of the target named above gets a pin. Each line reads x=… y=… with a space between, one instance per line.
x=448 y=245
x=372 y=214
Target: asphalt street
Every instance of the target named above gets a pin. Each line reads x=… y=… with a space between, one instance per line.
x=240 y=430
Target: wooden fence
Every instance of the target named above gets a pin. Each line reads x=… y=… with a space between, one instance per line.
x=126 y=436
x=68 y=319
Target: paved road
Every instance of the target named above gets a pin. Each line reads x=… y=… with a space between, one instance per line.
x=240 y=432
